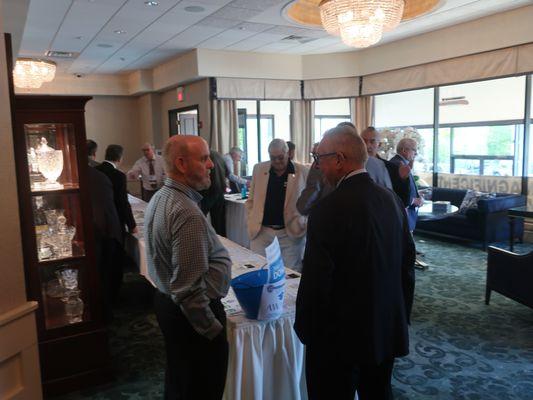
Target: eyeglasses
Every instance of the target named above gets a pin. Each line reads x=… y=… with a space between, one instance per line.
x=317 y=156
x=277 y=158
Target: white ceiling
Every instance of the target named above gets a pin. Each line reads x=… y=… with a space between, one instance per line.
x=155 y=34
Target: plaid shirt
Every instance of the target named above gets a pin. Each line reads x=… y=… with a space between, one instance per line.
x=185 y=257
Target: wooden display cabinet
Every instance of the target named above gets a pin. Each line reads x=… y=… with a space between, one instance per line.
x=57 y=235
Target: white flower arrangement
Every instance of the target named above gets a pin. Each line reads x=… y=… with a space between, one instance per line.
x=391 y=137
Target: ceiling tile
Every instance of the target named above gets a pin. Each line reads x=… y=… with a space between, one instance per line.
x=84 y=19
x=42 y=23
x=259 y=5
x=239 y=14
x=218 y=22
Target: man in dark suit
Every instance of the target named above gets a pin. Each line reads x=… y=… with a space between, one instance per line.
x=213 y=201
x=107 y=236
x=357 y=284
x=407 y=150
x=113 y=158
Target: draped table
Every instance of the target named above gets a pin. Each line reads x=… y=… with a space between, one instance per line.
x=266 y=358
x=236 y=220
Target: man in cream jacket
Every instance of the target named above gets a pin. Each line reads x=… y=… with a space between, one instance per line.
x=276 y=186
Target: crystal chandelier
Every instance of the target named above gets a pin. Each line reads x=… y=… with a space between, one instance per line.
x=30 y=74
x=360 y=23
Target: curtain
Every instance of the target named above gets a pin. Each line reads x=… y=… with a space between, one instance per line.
x=224 y=130
x=333 y=88
x=361 y=110
x=302 y=123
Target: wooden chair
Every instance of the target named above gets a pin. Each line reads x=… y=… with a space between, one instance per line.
x=510 y=274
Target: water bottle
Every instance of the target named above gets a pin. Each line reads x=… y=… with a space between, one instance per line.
x=244 y=195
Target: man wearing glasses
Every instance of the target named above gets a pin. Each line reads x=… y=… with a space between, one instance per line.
x=357 y=285
x=271 y=205
x=315 y=187
x=406 y=151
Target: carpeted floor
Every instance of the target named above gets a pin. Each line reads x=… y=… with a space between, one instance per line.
x=460 y=348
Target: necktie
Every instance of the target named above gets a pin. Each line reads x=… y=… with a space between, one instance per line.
x=153 y=182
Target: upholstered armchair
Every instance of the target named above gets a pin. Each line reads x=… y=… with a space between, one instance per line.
x=510 y=274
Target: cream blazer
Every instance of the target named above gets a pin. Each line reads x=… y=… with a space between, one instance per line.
x=295 y=223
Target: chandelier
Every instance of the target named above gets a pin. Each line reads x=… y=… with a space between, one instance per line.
x=30 y=74
x=360 y=23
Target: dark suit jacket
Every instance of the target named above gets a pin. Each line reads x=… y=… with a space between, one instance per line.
x=120 y=193
x=357 y=283
x=399 y=185
x=412 y=193
x=105 y=216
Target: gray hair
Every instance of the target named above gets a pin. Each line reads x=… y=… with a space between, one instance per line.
x=278 y=144
x=344 y=140
x=405 y=143
x=234 y=150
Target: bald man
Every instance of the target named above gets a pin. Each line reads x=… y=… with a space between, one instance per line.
x=150 y=167
x=191 y=271
x=357 y=285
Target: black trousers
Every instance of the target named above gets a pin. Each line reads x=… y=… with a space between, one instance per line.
x=331 y=375
x=196 y=366
x=147 y=194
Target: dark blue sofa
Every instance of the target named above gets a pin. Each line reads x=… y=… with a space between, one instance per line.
x=486 y=224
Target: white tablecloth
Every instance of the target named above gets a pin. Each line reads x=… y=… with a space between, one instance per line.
x=236 y=220
x=266 y=358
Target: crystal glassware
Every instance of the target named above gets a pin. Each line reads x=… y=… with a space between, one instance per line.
x=51 y=165
x=68 y=278
x=74 y=307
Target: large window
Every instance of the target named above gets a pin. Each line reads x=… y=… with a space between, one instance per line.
x=328 y=114
x=481 y=129
x=259 y=123
x=395 y=115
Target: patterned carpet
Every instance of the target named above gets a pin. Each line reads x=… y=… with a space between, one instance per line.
x=460 y=348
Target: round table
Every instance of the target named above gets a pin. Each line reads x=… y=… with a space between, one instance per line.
x=426 y=212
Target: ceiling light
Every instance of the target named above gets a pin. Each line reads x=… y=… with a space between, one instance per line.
x=104 y=45
x=194 y=9
x=120 y=32
x=151 y=3
x=31 y=74
x=360 y=23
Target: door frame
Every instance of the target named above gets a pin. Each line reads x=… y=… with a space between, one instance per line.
x=174 y=112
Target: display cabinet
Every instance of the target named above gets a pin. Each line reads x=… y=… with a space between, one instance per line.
x=58 y=244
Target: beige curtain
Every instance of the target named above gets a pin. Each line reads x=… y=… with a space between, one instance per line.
x=302 y=122
x=361 y=109
x=224 y=129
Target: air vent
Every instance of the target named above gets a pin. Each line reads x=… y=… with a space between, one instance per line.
x=299 y=39
x=61 y=54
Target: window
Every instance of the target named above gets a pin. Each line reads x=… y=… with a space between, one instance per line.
x=397 y=113
x=274 y=122
x=328 y=114
x=481 y=129
x=412 y=108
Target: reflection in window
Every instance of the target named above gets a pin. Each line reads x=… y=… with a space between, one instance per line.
x=274 y=122
x=328 y=114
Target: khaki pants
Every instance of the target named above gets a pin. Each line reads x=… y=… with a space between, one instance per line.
x=292 y=249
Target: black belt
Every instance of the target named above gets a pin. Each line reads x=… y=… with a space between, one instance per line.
x=275 y=227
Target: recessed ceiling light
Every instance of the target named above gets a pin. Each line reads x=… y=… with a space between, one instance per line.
x=120 y=31
x=194 y=9
x=151 y=3
x=104 y=45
